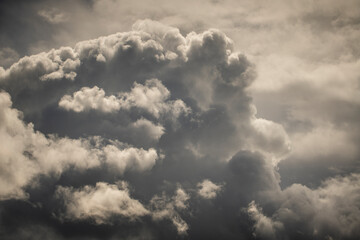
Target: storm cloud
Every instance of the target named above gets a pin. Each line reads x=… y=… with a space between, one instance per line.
x=155 y=120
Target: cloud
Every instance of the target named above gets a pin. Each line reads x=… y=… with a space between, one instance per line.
x=307 y=213
x=164 y=207
x=108 y=109
x=208 y=189
x=29 y=153
x=53 y=16
x=138 y=97
x=143 y=125
x=100 y=203
x=55 y=64
x=152 y=97
x=130 y=158
x=89 y=98
x=264 y=226
x=103 y=203
x=8 y=56
x=271 y=139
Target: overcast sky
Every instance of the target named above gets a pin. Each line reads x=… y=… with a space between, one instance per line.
x=209 y=119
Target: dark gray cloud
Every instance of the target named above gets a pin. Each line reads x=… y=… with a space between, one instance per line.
x=158 y=132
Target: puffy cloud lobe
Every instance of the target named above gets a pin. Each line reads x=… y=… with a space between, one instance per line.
x=143 y=125
x=152 y=97
x=208 y=189
x=55 y=64
x=100 y=202
x=271 y=139
x=90 y=98
x=264 y=226
x=164 y=207
x=28 y=153
x=104 y=202
x=130 y=158
x=16 y=170
x=330 y=211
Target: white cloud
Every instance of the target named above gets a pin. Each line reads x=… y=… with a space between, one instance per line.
x=164 y=207
x=144 y=126
x=271 y=139
x=130 y=158
x=90 y=98
x=264 y=226
x=329 y=211
x=208 y=189
x=105 y=202
x=55 y=64
x=152 y=97
x=180 y=199
x=28 y=153
x=100 y=202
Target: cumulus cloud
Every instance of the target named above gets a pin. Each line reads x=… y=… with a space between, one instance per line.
x=117 y=97
x=208 y=189
x=55 y=64
x=104 y=202
x=100 y=202
x=137 y=84
x=305 y=213
x=143 y=125
x=164 y=207
x=130 y=158
x=28 y=153
x=90 y=98
x=271 y=139
x=264 y=226
x=152 y=97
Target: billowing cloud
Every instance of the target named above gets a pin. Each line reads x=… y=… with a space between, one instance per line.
x=164 y=207
x=130 y=158
x=152 y=97
x=208 y=189
x=165 y=109
x=90 y=98
x=104 y=202
x=143 y=125
x=100 y=203
x=330 y=211
x=29 y=153
x=264 y=227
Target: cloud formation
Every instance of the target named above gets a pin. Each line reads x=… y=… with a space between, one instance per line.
x=162 y=131
x=208 y=189
x=100 y=203
x=312 y=213
x=168 y=208
x=29 y=153
x=152 y=97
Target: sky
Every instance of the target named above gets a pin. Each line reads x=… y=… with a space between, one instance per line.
x=209 y=119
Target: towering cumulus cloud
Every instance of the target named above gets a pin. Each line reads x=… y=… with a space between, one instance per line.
x=152 y=134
